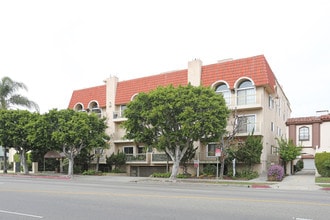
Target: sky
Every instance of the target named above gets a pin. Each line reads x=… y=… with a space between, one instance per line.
x=56 y=47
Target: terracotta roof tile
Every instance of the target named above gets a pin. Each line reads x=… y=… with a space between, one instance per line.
x=85 y=96
x=256 y=68
x=126 y=89
x=304 y=120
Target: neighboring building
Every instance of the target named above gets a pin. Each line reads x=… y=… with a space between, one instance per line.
x=312 y=134
x=248 y=85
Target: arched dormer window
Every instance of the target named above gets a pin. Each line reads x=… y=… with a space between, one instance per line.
x=224 y=90
x=246 y=93
x=304 y=134
x=79 y=107
x=94 y=108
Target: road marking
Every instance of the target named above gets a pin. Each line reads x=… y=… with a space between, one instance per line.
x=21 y=214
x=168 y=196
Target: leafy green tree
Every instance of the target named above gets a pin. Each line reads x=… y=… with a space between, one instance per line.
x=76 y=131
x=10 y=98
x=251 y=151
x=116 y=160
x=42 y=139
x=16 y=126
x=287 y=151
x=171 y=119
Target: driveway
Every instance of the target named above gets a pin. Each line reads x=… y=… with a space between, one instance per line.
x=302 y=180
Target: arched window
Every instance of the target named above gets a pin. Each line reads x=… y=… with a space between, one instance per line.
x=224 y=90
x=79 y=107
x=304 y=134
x=246 y=93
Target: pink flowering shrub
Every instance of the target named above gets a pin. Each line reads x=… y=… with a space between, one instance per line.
x=275 y=173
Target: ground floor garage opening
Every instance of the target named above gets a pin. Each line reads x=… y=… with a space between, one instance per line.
x=145 y=171
x=309 y=164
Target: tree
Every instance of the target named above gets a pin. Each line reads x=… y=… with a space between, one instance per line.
x=227 y=142
x=171 y=119
x=9 y=98
x=15 y=130
x=76 y=131
x=287 y=151
x=251 y=151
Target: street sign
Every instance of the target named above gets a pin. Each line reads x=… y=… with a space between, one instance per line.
x=217 y=152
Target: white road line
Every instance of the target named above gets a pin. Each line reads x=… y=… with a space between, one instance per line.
x=22 y=214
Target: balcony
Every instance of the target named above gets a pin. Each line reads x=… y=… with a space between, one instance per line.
x=147 y=158
x=118 y=116
x=246 y=102
x=247 y=128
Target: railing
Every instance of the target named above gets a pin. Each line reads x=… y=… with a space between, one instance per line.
x=118 y=114
x=160 y=157
x=248 y=128
x=204 y=157
x=136 y=158
x=246 y=101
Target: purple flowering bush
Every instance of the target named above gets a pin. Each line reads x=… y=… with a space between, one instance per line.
x=275 y=173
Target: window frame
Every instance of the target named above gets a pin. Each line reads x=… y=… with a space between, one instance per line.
x=226 y=93
x=247 y=128
x=304 y=133
x=245 y=94
x=128 y=147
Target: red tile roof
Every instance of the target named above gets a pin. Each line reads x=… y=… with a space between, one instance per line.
x=256 y=68
x=127 y=89
x=308 y=120
x=85 y=96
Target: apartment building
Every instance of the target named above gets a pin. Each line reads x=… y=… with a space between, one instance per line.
x=248 y=85
x=312 y=134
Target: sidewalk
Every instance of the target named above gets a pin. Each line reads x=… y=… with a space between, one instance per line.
x=302 y=180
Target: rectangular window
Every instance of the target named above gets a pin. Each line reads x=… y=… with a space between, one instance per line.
x=246 y=97
x=128 y=150
x=211 y=148
x=279 y=131
x=273 y=150
x=272 y=126
x=270 y=102
x=246 y=124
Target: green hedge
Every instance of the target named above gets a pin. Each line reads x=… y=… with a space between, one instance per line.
x=322 y=163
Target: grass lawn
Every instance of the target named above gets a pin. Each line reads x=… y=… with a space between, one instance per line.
x=323 y=181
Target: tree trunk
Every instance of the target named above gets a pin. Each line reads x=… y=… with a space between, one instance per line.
x=175 y=169
x=23 y=162
x=5 y=160
x=71 y=162
x=97 y=163
x=222 y=166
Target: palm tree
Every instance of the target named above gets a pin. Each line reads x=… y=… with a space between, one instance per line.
x=9 y=98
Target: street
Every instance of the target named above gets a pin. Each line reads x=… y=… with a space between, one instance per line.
x=125 y=198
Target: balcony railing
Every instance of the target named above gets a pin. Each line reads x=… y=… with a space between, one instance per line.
x=136 y=158
x=118 y=115
x=248 y=128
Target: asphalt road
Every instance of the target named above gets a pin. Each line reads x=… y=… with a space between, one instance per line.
x=121 y=198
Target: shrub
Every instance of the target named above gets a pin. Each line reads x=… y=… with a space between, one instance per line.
x=275 y=173
x=299 y=165
x=247 y=174
x=183 y=175
x=210 y=169
x=92 y=172
x=322 y=163
x=161 y=175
